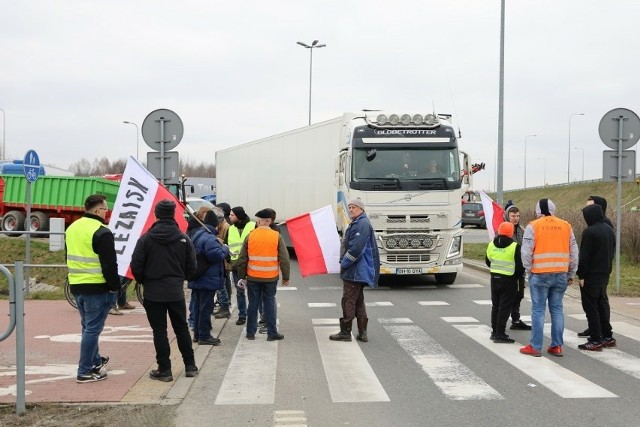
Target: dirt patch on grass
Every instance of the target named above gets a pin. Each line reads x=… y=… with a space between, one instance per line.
x=89 y=415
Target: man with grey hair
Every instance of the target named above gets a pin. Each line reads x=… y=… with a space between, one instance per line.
x=550 y=258
x=359 y=267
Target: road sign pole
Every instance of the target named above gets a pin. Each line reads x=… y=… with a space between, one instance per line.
x=621 y=120
x=27 y=228
x=162 y=150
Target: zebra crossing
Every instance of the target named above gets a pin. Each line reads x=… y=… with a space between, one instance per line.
x=251 y=377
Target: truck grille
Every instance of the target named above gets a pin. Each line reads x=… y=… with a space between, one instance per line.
x=403 y=241
x=404 y=258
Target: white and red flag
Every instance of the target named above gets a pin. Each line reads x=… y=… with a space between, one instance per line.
x=493 y=213
x=133 y=210
x=315 y=238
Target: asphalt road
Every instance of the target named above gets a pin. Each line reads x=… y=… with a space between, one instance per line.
x=429 y=361
x=476 y=235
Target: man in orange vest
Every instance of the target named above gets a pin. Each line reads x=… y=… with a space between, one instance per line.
x=550 y=258
x=263 y=255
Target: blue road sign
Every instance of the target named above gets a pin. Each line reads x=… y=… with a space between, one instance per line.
x=31 y=166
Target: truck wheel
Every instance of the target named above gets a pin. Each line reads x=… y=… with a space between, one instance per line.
x=39 y=221
x=446 y=278
x=13 y=221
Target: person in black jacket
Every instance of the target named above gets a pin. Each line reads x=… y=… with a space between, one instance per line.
x=512 y=215
x=162 y=260
x=504 y=260
x=597 y=200
x=597 y=249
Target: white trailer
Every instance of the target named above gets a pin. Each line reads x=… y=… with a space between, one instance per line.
x=385 y=159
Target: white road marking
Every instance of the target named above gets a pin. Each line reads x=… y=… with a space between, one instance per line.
x=349 y=375
x=560 y=380
x=379 y=304
x=251 y=376
x=459 y=319
x=395 y=320
x=321 y=304
x=465 y=286
x=289 y=418
x=483 y=301
x=455 y=380
x=433 y=303
x=609 y=356
x=325 y=288
x=107 y=335
x=627 y=330
x=579 y=316
x=287 y=288
x=332 y=321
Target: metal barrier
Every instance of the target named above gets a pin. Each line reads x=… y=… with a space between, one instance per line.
x=16 y=322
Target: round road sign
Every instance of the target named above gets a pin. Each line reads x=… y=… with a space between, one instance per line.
x=609 y=128
x=166 y=121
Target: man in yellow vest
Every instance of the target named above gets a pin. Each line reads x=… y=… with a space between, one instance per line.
x=263 y=255
x=94 y=281
x=240 y=228
x=550 y=258
x=503 y=258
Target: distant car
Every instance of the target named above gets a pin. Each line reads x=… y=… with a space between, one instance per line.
x=472 y=214
x=196 y=203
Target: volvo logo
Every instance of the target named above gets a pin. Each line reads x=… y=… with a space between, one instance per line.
x=408 y=197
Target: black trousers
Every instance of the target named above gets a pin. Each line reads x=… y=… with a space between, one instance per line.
x=503 y=293
x=157 y=316
x=515 y=309
x=595 y=304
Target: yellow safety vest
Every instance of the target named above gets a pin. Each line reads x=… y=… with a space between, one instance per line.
x=262 y=249
x=83 y=263
x=235 y=240
x=503 y=260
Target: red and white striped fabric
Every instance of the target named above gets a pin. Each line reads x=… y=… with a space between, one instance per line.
x=132 y=213
x=315 y=238
x=493 y=213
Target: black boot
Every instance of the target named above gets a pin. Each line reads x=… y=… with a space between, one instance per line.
x=362 y=329
x=345 y=332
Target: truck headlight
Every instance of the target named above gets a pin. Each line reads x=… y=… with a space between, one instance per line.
x=456 y=245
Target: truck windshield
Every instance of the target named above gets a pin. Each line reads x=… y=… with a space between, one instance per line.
x=407 y=167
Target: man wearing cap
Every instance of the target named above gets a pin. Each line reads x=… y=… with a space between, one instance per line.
x=503 y=259
x=359 y=267
x=94 y=282
x=240 y=228
x=263 y=255
x=162 y=260
x=512 y=215
x=550 y=258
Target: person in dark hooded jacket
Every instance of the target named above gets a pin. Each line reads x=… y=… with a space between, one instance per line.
x=602 y=202
x=597 y=249
x=162 y=260
x=504 y=260
x=204 y=287
x=512 y=215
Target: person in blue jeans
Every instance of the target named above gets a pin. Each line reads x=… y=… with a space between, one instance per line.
x=262 y=257
x=550 y=258
x=93 y=280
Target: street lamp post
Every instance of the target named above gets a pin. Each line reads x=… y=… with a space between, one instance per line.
x=580 y=148
x=314 y=45
x=525 y=160
x=544 y=175
x=569 y=159
x=137 y=138
x=4 y=137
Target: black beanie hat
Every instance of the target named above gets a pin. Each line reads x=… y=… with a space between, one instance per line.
x=211 y=219
x=240 y=213
x=165 y=209
x=225 y=208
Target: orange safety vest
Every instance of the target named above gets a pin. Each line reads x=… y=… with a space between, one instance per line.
x=551 y=252
x=262 y=248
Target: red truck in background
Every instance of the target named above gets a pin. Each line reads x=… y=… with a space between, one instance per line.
x=51 y=197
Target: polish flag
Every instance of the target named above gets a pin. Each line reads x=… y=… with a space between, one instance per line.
x=493 y=213
x=315 y=239
x=133 y=211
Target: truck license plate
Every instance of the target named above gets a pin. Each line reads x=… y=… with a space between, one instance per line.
x=408 y=271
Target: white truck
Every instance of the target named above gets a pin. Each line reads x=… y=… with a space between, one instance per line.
x=405 y=167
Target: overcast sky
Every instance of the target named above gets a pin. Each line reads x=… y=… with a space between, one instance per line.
x=72 y=71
